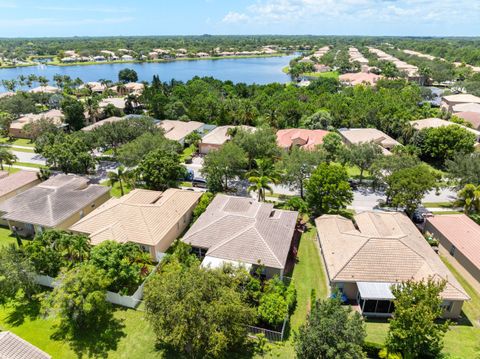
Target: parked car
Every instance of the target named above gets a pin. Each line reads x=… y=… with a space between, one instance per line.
x=419 y=215
x=199 y=182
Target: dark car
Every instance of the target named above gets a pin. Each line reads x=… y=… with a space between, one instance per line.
x=199 y=182
x=419 y=215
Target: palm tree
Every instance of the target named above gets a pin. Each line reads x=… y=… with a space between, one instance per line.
x=469 y=198
x=80 y=248
x=6 y=157
x=91 y=104
x=121 y=177
x=262 y=176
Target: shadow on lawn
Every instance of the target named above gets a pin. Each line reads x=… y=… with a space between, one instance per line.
x=93 y=343
x=22 y=310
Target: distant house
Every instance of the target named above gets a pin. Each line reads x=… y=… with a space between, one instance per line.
x=127 y=58
x=151 y=219
x=117 y=102
x=472 y=117
x=17 y=127
x=16 y=183
x=459 y=237
x=306 y=60
x=217 y=137
x=449 y=101
x=363 y=259
x=45 y=89
x=300 y=137
x=102 y=122
x=242 y=231
x=14 y=347
x=322 y=68
x=437 y=122
x=94 y=86
x=358 y=78
x=177 y=130
x=58 y=203
x=363 y=135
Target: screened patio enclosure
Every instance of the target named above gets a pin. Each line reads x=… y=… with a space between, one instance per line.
x=375 y=299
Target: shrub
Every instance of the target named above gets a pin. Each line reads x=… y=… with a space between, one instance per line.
x=384 y=354
x=372 y=349
x=272 y=309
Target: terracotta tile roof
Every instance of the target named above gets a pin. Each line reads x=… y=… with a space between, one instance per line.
x=14 y=347
x=118 y=102
x=53 y=201
x=307 y=139
x=472 y=117
x=244 y=230
x=16 y=180
x=386 y=247
x=359 y=78
x=178 y=130
x=462 y=232
x=142 y=216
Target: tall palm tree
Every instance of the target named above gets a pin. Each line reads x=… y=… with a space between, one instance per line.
x=122 y=176
x=91 y=104
x=262 y=176
x=6 y=157
x=469 y=198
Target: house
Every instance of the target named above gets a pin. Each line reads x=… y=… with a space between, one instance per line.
x=300 y=137
x=127 y=58
x=57 y=203
x=358 y=78
x=45 y=89
x=245 y=232
x=438 y=122
x=151 y=219
x=471 y=117
x=459 y=239
x=135 y=88
x=14 y=347
x=16 y=183
x=449 y=101
x=218 y=136
x=466 y=107
x=362 y=135
x=322 y=68
x=17 y=127
x=102 y=122
x=364 y=258
x=177 y=130
x=117 y=102
x=94 y=86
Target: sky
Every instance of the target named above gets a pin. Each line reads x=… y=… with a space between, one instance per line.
x=46 y=18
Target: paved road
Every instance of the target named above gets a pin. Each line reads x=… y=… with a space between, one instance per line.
x=29 y=157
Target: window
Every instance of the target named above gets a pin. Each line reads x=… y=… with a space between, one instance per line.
x=446 y=305
x=452 y=251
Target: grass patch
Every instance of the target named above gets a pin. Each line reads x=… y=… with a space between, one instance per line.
x=6 y=237
x=188 y=152
x=18 y=142
x=446 y=212
x=185 y=184
x=354 y=172
x=475 y=217
x=115 y=189
x=28 y=164
x=10 y=169
x=330 y=74
x=438 y=204
x=19 y=149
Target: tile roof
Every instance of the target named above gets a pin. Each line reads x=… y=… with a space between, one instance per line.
x=384 y=247
x=141 y=216
x=218 y=136
x=244 y=230
x=55 y=115
x=16 y=180
x=462 y=232
x=307 y=139
x=438 y=122
x=14 y=347
x=359 y=78
x=178 y=130
x=53 y=201
x=472 y=117
x=466 y=107
x=102 y=122
x=44 y=89
x=462 y=98
x=118 y=102
x=362 y=135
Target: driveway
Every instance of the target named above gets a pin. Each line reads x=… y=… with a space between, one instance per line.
x=28 y=157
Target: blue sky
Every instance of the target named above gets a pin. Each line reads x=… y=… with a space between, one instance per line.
x=27 y=18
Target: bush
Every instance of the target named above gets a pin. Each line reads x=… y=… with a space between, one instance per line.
x=372 y=349
x=384 y=354
x=202 y=205
x=273 y=309
x=291 y=297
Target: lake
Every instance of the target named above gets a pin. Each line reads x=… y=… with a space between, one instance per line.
x=260 y=70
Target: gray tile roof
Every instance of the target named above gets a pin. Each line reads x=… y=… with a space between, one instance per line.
x=14 y=347
x=53 y=201
x=241 y=229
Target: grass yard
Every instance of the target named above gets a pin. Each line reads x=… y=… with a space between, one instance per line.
x=28 y=164
x=18 y=149
x=115 y=190
x=18 y=142
x=330 y=74
x=446 y=212
x=187 y=152
x=437 y=204
x=11 y=169
x=6 y=237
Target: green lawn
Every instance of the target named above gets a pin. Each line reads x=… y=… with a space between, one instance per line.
x=28 y=164
x=330 y=74
x=115 y=190
x=10 y=169
x=19 y=149
x=438 y=204
x=6 y=237
x=187 y=152
x=18 y=142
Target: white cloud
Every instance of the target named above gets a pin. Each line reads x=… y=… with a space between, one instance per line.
x=235 y=17
x=298 y=11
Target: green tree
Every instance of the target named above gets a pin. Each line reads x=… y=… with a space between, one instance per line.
x=261 y=176
x=74 y=248
x=161 y=169
x=331 y=331
x=273 y=309
x=43 y=255
x=469 y=198
x=193 y=139
x=6 y=157
x=74 y=113
x=414 y=331
x=333 y=145
x=202 y=205
x=363 y=155
x=79 y=300
x=407 y=187
x=120 y=176
x=223 y=165
x=320 y=120
x=177 y=297
x=259 y=144
x=328 y=189
x=17 y=275
x=127 y=75
x=443 y=143
x=6 y=120
x=465 y=168
x=296 y=167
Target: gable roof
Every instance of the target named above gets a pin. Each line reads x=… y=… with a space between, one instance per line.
x=218 y=136
x=438 y=122
x=244 y=230
x=467 y=107
x=384 y=247
x=462 y=98
x=16 y=180
x=311 y=138
x=462 y=232
x=53 y=201
x=55 y=115
x=142 y=216
x=178 y=130
x=363 y=135
x=471 y=117
x=14 y=347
